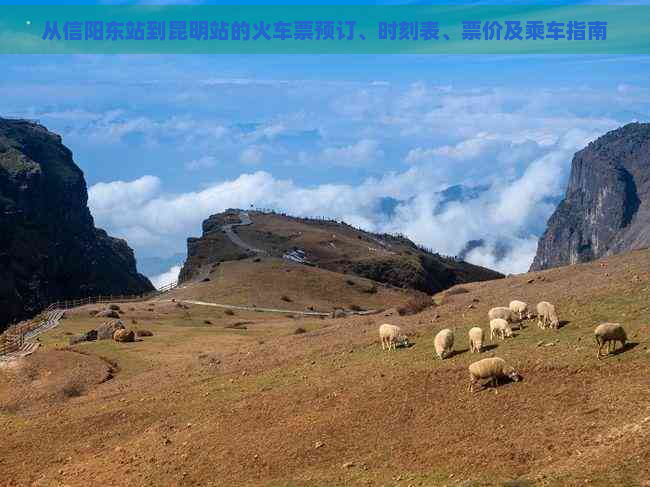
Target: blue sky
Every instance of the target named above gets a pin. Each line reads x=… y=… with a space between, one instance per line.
x=165 y=141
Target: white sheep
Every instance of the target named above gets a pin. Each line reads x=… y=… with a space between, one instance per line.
x=520 y=308
x=390 y=336
x=546 y=315
x=493 y=368
x=444 y=343
x=503 y=313
x=608 y=334
x=500 y=328
x=475 y=339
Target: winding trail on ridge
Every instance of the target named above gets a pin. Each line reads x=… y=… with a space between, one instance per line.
x=244 y=219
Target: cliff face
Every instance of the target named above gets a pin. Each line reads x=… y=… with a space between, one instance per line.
x=606 y=209
x=49 y=246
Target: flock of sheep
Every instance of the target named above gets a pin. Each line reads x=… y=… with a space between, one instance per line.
x=493 y=369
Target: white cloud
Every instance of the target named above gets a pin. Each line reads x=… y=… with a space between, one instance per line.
x=205 y=162
x=251 y=155
x=166 y=277
x=517 y=260
x=106 y=196
x=359 y=153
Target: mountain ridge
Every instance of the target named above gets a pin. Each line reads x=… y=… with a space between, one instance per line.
x=331 y=245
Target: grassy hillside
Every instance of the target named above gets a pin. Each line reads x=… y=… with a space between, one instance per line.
x=244 y=400
x=278 y=283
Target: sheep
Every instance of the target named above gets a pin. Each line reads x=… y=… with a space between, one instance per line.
x=500 y=328
x=493 y=368
x=520 y=308
x=443 y=343
x=475 y=339
x=608 y=334
x=546 y=315
x=501 y=312
x=390 y=335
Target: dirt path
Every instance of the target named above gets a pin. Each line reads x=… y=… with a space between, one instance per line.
x=245 y=219
x=251 y=308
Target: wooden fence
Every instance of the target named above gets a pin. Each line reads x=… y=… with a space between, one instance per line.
x=14 y=337
x=11 y=343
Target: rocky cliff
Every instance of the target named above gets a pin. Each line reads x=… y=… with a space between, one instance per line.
x=606 y=209
x=49 y=246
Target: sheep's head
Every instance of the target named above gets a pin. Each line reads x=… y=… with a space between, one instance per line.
x=511 y=373
x=555 y=321
x=529 y=315
x=403 y=340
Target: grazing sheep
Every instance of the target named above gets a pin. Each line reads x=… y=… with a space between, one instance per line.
x=493 y=368
x=475 y=339
x=390 y=335
x=608 y=334
x=444 y=343
x=520 y=308
x=546 y=315
x=503 y=313
x=500 y=328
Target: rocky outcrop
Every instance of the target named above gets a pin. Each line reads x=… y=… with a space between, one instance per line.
x=606 y=209
x=49 y=247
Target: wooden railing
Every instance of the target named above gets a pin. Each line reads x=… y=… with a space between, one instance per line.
x=13 y=338
x=9 y=344
x=122 y=298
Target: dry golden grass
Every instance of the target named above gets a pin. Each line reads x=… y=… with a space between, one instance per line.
x=277 y=283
